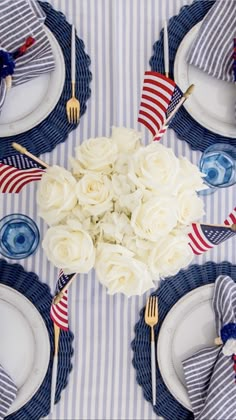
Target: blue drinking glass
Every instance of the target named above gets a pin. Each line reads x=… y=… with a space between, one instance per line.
x=218 y=163
x=19 y=236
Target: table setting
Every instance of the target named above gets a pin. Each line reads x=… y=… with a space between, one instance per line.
x=118 y=212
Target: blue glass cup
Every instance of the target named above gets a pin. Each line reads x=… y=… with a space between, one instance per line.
x=19 y=236
x=218 y=163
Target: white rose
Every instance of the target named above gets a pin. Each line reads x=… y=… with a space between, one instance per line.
x=154 y=218
x=128 y=202
x=127 y=139
x=154 y=167
x=80 y=214
x=94 y=193
x=69 y=248
x=121 y=164
x=190 y=207
x=113 y=226
x=189 y=176
x=121 y=184
x=119 y=271
x=140 y=247
x=56 y=194
x=170 y=255
x=95 y=155
x=126 y=195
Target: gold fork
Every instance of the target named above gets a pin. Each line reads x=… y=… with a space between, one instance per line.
x=151 y=319
x=73 y=105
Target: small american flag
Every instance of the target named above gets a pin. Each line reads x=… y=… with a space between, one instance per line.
x=204 y=237
x=59 y=311
x=17 y=171
x=160 y=95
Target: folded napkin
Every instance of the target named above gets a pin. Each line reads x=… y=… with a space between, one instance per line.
x=8 y=392
x=19 y=20
x=212 y=49
x=210 y=373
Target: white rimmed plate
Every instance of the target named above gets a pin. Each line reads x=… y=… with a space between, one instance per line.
x=25 y=346
x=188 y=327
x=28 y=104
x=212 y=103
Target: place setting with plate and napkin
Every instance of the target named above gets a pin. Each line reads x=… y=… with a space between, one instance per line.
x=43 y=66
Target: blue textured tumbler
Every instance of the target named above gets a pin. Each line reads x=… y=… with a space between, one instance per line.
x=19 y=236
x=218 y=163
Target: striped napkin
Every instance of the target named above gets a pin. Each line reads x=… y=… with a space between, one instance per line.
x=20 y=19
x=8 y=392
x=212 y=49
x=210 y=373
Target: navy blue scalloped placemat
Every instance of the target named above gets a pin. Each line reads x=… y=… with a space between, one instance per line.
x=55 y=128
x=14 y=275
x=169 y=292
x=186 y=128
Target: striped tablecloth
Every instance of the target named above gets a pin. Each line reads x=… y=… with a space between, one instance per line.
x=118 y=35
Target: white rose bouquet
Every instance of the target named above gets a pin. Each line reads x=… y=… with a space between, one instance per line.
x=124 y=209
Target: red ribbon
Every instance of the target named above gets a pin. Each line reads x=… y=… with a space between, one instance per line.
x=28 y=42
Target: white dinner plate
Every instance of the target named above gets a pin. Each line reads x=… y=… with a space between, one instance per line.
x=212 y=103
x=188 y=327
x=28 y=104
x=25 y=346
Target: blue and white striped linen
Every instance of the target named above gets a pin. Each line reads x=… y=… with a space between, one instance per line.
x=209 y=374
x=20 y=19
x=119 y=37
x=8 y=391
x=212 y=50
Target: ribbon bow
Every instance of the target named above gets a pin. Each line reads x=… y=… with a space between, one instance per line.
x=7 y=59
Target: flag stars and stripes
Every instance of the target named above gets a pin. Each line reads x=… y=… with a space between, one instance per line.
x=59 y=311
x=160 y=95
x=18 y=170
x=204 y=237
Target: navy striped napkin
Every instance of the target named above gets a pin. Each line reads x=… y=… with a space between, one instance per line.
x=212 y=48
x=20 y=19
x=8 y=392
x=210 y=373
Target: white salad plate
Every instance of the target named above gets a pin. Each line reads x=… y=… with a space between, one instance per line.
x=212 y=103
x=28 y=104
x=188 y=327
x=25 y=346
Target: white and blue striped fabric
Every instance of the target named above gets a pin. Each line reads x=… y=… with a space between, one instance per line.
x=212 y=50
x=209 y=374
x=8 y=391
x=20 y=19
x=118 y=36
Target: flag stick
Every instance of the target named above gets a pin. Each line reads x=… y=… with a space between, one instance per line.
x=218 y=341
x=166 y=50
x=24 y=151
x=59 y=296
x=182 y=100
x=8 y=82
x=55 y=363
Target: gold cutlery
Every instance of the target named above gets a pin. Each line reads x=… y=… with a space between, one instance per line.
x=73 y=105
x=151 y=319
